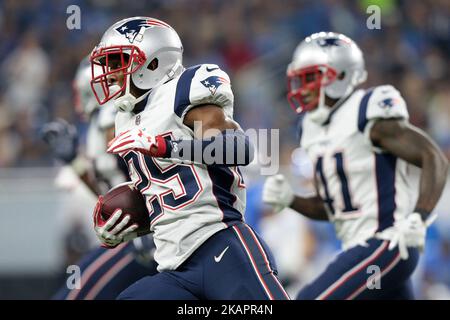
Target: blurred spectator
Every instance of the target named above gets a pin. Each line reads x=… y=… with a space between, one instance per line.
x=25 y=71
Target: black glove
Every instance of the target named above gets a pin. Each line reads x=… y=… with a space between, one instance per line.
x=62 y=138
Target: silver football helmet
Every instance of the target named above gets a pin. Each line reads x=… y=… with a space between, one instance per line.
x=149 y=51
x=85 y=101
x=328 y=62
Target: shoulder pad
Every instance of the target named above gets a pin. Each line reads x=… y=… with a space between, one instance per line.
x=382 y=102
x=203 y=84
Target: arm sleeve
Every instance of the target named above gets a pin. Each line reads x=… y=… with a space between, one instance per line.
x=230 y=148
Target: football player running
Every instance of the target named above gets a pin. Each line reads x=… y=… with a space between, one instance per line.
x=176 y=132
x=104 y=273
x=361 y=143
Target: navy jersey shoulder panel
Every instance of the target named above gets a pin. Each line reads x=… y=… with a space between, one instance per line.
x=182 y=100
x=362 y=115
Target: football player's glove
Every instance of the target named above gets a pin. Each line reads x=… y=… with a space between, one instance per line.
x=278 y=192
x=138 y=140
x=409 y=232
x=110 y=234
x=62 y=139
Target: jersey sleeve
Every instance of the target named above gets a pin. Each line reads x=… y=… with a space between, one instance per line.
x=382 y=102
x=386 y=102
x=203 y=84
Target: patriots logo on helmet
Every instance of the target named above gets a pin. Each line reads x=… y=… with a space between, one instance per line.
x=133 y=30
x=328 y=42
x=213 y=82
x=388 y=103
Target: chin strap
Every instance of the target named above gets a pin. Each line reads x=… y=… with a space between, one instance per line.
x=127 y=102
x=321 y=113
x=176 y=70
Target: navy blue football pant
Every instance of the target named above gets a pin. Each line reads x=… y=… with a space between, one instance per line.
x=372 y=272
x=107 y=272
x=234 y=263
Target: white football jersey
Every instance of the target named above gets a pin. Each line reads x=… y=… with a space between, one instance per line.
x=105 y=165
x=188 y=202
x=363 y=188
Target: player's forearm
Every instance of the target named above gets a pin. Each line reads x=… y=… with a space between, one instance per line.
x=432 y=180
x=84 y=170
x=312 y=207
x=414 y=146
x=90 y=182
x=230 y=148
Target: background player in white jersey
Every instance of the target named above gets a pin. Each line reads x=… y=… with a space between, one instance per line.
x=177 y=134
x=361 y=144
x=104 y=273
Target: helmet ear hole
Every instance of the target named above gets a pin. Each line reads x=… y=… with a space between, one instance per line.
x=153 y=65
x=341 y=75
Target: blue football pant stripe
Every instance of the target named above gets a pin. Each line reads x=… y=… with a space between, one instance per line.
x=259 y=259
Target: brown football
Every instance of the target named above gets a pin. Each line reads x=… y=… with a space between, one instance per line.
x=132 y=203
